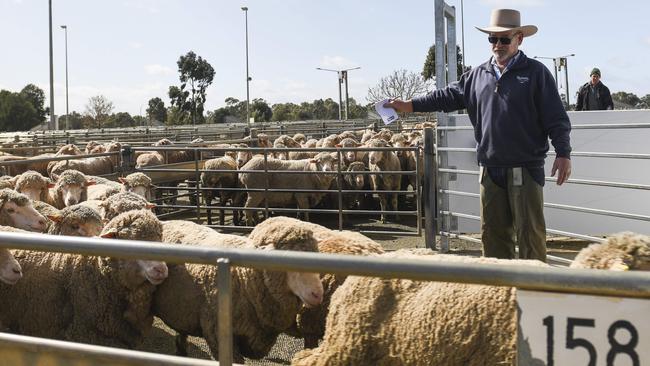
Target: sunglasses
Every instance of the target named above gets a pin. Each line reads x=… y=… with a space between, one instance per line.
x=503 y=40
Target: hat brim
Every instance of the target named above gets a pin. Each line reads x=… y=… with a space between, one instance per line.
x=527 y=30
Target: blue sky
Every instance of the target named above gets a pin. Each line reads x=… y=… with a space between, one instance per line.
x=127 y=50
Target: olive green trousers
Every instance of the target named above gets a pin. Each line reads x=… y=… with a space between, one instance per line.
x=513 y=216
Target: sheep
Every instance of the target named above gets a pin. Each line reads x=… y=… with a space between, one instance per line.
x=138 y=183
x=323 y=162
x=310 y=144
x=310 y=322
x=355 y=182
x=329 y=141
x=13 y=170
x=33 y=185
x=10 y=270
x=76 y=220
x=279 y=154
x=91 y=166
x=70 y=188
x=148 y=159
x=123 y=202
x=265 y=303
x=90 y=146
x=374 y=321
x=96 y=300
x=16 y=210
x=465 y=324
x=384 y=161
x=287 y=141
x=101 y=191
x=351 y=156
x=243 y=156
x=348 y=135
x=413 y=159
x=299 y=138
x=221 y=180
x=7 y=181
x=46 y=210
x=620 y=252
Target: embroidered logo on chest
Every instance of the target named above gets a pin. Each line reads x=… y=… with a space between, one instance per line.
x=522 y=79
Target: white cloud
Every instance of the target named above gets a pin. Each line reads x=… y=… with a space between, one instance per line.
x=336 y=62
x=135 y=45
x=156 y=69
x=512 y=4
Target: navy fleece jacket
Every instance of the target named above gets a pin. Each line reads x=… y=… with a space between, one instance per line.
x=513 y=117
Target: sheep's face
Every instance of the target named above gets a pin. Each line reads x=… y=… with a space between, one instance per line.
x=374 y=157
x=154 y=271
x=243 y=157
x=356 y=181
x=142 y=191
x=326 y=162
x=72 y=193
x=307 y=286
x=34 y=192
x=281 y=155
x=10 y=271
x=76 y=227
x=24 y=217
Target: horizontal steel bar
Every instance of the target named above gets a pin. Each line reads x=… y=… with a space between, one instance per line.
x=633 y=283
x=604 y=126
x=570 y=181
x=308 y=172
x=573 y=153
x=56 y=158
x=623 y=215
x=284 y=209
x=550 y=258
x=550 y=231
x=272 y=149
x=53 y=352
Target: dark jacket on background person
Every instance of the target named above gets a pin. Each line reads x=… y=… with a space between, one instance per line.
x=603 y=98
x=512 y=117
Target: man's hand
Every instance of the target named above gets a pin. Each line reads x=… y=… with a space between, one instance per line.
x=399 y=105
x=563 y=167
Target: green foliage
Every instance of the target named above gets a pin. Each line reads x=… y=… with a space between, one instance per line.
x=121 y=119
x=141 y=120
x=624 y=100
x=36 y=96
x=156 y=110
x=429 y=69
x=75 y=122
x=175 y=116
x=645 y=102
x=16 y=112
x=196 y=75
x=260 y=110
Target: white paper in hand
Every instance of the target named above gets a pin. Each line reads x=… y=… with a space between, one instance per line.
x=388 y=115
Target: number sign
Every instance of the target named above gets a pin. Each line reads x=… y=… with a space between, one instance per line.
x=581 y=330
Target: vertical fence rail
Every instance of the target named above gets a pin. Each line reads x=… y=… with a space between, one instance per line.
x=224 y=316
x=196 y=186
x=339 y=177
x=430 y=199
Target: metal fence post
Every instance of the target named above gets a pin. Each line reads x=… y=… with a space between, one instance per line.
x=224 y=315
x=127 y=159
x=429 y=189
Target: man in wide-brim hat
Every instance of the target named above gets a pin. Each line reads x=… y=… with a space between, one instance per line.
x=514 y=106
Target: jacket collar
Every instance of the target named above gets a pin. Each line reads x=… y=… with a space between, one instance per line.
x=521 y=62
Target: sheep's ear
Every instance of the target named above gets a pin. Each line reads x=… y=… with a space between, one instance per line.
x=112 y=233
x=121 y=180
x=50 y=185
x=55 y=217
x=54 y=177
x=150 y=206
x=314 y=161
x=338 y=145
x=90 y=182
x=619 y=265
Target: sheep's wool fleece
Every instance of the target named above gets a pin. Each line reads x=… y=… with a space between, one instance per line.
x=135 y=225
x=7 y=194
x=71 y=177
x=31 y=178
x=375 y=321
x=621 y=251
x=138 y=179
x=122 y=202
x=80 y=213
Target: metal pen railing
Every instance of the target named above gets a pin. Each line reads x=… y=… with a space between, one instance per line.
x=579 y=281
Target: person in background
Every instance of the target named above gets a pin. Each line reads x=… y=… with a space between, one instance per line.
x=514 y=106
x=594 y=95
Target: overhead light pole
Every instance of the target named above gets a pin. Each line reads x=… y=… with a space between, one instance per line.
x=52 y=122
x=342 y=77
x=559 y=63
x=248 y=78
x=67 y=105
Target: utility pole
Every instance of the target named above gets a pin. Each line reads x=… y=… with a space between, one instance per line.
x=342 y=77
x=52 y=122
x=248 y=78
x=559 y=63
x=67 y=105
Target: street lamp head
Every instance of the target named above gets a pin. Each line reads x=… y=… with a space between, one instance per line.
x=64 y=27
x=244 y=8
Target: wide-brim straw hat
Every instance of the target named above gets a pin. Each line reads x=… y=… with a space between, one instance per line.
x=507 y=20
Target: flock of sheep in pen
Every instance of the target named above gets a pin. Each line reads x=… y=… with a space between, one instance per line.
x=343 y=321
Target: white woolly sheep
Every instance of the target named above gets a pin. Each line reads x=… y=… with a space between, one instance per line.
x=123 y=202
x=33 y=185
x=222 y=180
x=70 y=188
x=265 y=303
x=76 y=220
x=96 y=300
x=138 y=183
x=91 y=166
x=620 y=252
x=10 y=269
x=323 y=162
x=16 y=210
x=384 y=161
